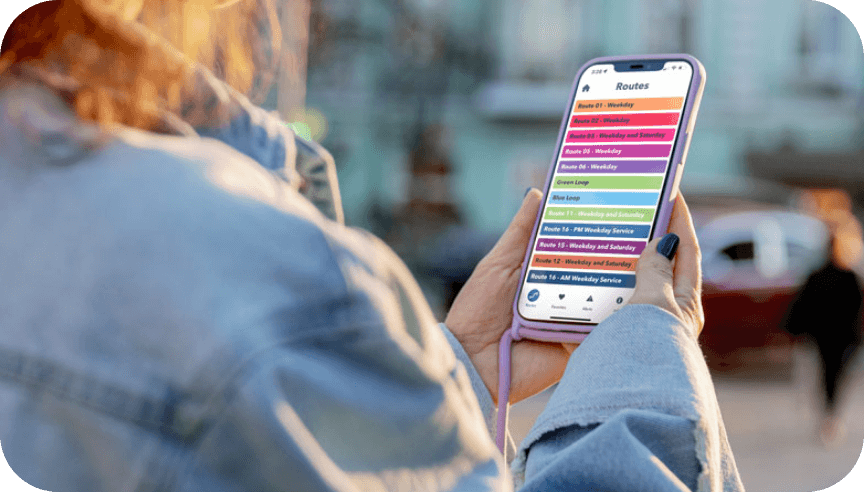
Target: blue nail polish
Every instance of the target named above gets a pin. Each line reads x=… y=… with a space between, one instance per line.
x=668 y=246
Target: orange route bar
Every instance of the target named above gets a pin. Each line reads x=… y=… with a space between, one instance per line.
x=610 y=263
x=637 y=104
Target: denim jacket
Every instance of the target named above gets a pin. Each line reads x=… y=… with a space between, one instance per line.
x=176 y=315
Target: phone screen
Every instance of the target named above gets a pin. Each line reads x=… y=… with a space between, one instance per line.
x=610 y=172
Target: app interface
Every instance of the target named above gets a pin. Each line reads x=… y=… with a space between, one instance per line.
x=609 y=176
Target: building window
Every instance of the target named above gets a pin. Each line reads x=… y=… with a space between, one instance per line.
x=829 y=50
x=668 y=26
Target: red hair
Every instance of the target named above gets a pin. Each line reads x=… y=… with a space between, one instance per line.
x=127 y=60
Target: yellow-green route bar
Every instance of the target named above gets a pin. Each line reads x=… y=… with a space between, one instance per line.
x=600 y=214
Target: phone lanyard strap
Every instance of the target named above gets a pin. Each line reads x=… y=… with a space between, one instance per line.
x=503 y=389
x=515 y=334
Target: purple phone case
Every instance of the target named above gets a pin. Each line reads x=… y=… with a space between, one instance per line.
x=558 y=332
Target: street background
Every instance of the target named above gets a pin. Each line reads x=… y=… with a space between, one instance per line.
x=440 y=114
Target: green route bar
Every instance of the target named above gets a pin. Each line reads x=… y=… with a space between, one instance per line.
x=608 y=182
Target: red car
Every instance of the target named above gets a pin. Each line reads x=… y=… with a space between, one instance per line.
x=755 y=258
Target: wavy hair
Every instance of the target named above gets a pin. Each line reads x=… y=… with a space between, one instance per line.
x=128 y=61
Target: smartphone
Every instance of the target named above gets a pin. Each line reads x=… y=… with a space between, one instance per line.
x=614 y=178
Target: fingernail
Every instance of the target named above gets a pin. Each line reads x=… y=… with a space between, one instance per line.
x=668 y=245
x=527 y=190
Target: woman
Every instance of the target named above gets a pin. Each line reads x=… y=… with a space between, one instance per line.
x=177 y=316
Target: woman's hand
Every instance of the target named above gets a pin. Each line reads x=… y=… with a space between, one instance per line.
x=673 y=285
x=483 y=311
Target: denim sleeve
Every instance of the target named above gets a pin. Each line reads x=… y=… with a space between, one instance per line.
x=359 y=392
x=306 y=421
x=635 y=410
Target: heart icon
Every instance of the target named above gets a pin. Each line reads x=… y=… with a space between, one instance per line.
x=560 y=296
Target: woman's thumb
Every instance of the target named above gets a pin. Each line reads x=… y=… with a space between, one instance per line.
x=654 y=273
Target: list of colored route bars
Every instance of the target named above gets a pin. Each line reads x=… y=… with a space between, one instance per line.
x=605 y=191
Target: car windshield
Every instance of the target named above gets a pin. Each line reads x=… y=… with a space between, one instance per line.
x=764 y=249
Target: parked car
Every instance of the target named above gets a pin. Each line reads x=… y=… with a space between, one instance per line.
x=756 y=256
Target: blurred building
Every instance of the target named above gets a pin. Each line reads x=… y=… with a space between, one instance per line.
x=785 y=79
x=497 y=74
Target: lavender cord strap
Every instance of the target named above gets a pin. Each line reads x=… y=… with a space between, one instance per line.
x=503 y=389
x=517 y=333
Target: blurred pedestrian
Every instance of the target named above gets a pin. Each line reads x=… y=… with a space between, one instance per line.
x=176 y=314
x=828 y=311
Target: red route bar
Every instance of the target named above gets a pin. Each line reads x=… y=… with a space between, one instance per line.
x=623 y=119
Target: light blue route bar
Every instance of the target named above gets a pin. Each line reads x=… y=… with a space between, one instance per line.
x=619 y=198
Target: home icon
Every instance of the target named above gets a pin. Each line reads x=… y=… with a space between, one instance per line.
x=585 y=88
